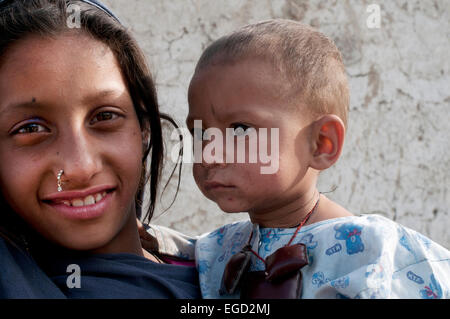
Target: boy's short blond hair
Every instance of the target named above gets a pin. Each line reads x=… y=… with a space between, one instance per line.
x=306 y=58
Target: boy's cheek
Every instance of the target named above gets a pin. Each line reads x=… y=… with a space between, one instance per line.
x=199 y=175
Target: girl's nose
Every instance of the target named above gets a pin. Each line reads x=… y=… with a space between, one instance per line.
x=80 y=160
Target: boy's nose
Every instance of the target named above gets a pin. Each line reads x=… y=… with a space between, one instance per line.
x=214 y=159
x=213 y=154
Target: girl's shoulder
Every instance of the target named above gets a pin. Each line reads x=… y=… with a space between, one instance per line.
x=21 y=276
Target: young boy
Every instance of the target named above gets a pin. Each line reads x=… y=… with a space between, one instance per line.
x=288 y=78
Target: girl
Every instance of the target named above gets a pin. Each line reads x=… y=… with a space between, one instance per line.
x=78 y=119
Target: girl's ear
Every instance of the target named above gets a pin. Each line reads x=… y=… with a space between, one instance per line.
x=327 y=138
x=145 y=132
x=145 y=135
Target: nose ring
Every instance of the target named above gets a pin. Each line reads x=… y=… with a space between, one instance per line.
x=58 y=179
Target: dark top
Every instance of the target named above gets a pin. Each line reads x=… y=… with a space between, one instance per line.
x=123 y=276
x=101 y=276
x=21 y=277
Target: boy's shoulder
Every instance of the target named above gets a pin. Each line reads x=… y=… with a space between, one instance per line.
x=372 y=227
x=371 y=256
x=375 y=229
x=352 y=248
x=226 y=240
x=227 y=230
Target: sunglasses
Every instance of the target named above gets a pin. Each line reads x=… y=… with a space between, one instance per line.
x=95 y=3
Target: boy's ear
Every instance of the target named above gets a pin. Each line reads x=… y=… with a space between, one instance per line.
x=327 y=139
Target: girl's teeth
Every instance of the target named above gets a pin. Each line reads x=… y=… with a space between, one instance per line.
x=66 y=202
x=98 y=197
x=77 y=202
x=89 y=200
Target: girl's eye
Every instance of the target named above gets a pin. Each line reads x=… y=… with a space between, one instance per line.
x=240 y=129
x=104 y=116
x=31 y=128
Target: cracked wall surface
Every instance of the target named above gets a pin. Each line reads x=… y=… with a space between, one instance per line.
x=396 y=154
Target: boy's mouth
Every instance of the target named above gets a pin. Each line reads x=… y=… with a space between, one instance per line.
x=209 y=185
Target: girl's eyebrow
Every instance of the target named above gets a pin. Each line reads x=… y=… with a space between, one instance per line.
x=34 y=104
x=102 y=94
x=28 y=105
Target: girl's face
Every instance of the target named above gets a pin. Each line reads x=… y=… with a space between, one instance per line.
x=65 y=105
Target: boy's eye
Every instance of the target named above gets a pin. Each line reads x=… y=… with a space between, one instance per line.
x=104 y=116
x=240 y=129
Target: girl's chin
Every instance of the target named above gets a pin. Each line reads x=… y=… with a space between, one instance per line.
x=81 y=246
x=82 y=243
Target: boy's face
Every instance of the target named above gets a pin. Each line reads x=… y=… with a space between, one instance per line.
x=246 y=97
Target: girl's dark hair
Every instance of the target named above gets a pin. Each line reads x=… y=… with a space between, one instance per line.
x=48 y=18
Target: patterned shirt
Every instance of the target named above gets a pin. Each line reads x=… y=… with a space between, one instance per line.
x=367 y=256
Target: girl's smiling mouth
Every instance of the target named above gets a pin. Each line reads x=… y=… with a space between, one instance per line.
x=91 y=203
x=88 y=200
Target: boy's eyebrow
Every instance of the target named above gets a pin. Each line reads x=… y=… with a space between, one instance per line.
x=245 y=113
x=241 y=114
x=191 y=119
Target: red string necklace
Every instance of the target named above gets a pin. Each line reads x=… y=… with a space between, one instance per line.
x=293 y=236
